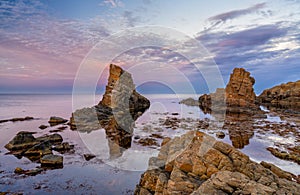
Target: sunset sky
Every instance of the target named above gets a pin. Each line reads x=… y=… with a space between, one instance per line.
x=44 y=42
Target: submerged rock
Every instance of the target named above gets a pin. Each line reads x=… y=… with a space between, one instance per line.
x=237 y=97
x=196 y=163
x=284 y=96
x=27 y=118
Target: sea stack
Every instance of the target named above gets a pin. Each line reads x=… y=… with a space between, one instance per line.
x=237 y=97
x=120 y=102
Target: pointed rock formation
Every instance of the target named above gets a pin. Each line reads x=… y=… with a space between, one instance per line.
x=120 y=106
x=120 y=92
x=237 y=97
x=196 y=163
x=284 y=96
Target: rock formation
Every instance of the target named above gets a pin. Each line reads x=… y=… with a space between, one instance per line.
x=120 y=106
x=196 y=163
x=38 y=149
x=120 y=101
x=237 y=97
x=284 y=96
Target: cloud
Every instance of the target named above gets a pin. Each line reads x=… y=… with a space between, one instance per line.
x=130 y=19
x=113 y=3
x=222 y=18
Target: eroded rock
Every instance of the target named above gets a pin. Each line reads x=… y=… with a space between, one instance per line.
x=284 y=96
x=196 y=163
x=237 y=97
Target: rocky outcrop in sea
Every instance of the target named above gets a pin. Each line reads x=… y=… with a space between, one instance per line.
x=237 y=97
x=196 y=163
x=284 y=96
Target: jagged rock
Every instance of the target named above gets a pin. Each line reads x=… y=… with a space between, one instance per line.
x=54 y=120
x=284 y=96
x=23 y=140
x=120 y=92
x=120 y=101
x=120 y=106
x=196 y=163
x=237 y=97
x=52 y=160
x=25 y=144
x=189 y=102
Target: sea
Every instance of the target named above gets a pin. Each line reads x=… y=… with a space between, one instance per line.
x=104 y=174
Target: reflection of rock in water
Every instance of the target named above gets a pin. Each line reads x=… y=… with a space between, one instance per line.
x=235 y=105
x=120 y=106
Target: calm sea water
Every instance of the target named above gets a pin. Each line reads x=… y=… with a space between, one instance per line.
x=104 y=174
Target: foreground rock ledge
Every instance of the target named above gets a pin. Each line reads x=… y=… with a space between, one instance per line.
x=196 y=163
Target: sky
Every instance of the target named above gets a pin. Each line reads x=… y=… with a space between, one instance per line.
x=45 y=43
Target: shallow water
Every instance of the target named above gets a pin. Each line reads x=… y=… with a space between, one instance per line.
x=109 y=172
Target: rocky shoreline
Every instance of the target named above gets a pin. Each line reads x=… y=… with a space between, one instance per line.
x=194 y=163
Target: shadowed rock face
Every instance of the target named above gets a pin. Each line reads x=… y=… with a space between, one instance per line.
x=120 y=106
x=284 y=96
x=237 y=97
x=196 y=163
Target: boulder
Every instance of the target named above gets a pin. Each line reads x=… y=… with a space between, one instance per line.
x=23 y=140
x=196 y=163
x=54 y=120
x=284 y=96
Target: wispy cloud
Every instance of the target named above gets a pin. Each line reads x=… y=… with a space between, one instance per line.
x=223 y=17
x=113 y=3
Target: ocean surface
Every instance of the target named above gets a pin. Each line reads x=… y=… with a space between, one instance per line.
x=104 y=174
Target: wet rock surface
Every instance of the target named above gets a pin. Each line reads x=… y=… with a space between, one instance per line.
x=284 y=96
x=196 y=163
x=54 y=120
x=237 y=97
x=39 y=149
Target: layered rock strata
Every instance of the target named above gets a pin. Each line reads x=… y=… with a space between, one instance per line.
x=196 y=163
x=237 y=97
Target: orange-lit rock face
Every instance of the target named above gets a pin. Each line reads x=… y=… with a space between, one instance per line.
x=282 y=96
x=239 y=90
x=237 y=97
x=120 y=92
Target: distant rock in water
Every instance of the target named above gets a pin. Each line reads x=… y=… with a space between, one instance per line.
x=196 y=163
x=55 y=120
x=237 y=97
x=190 y=102
x=27 y=118
x=284 y=96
